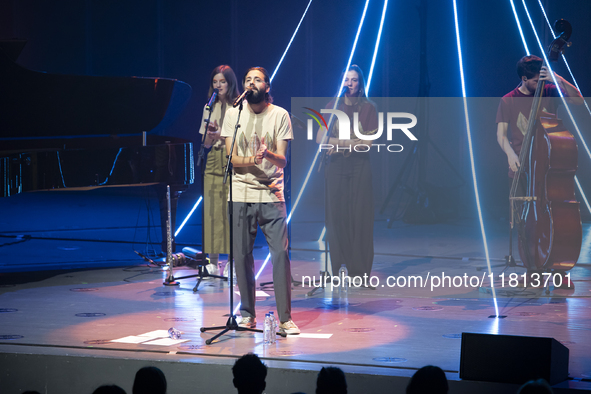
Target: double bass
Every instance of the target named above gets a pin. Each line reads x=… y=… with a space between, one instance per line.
x=547 y=216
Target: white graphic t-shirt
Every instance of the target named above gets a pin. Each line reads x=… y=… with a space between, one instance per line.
x=262 y=182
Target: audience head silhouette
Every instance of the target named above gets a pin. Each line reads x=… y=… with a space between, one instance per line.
x=249 y=374
x=539 y=386
x=106 y=389
x=428 y=380
x=331 y=380
x=149 y=380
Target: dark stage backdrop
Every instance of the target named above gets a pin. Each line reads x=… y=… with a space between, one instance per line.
x=187 y=39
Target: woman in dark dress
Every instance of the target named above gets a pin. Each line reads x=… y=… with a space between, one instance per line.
x=350 y=209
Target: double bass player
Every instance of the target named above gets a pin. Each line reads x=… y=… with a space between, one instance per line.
x=542 y=176
x=515 y=106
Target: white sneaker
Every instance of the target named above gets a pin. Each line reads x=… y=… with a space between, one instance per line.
x=248 y=322
x=289 y=327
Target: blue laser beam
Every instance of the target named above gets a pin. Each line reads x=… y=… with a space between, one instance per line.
x=375 y=52
x=354 y=47
x=188 y=216
x=519 y=27
x=298 y=198
x=290 y=41
x=566 y=106
x=468 y=133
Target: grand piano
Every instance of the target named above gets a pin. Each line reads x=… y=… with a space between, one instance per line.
x=74 y=131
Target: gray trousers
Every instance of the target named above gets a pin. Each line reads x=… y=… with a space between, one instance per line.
x=272 y=219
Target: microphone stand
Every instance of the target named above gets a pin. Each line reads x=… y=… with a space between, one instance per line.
x=331 y=123
x=197 y=259
x=231 y=324
x=201 y=163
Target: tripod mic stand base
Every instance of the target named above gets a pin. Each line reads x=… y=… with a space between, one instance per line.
x=197 y=259
x=171 y=283
x=231 y=324
x=293 y=283
x=510 y=261
x=323 y=276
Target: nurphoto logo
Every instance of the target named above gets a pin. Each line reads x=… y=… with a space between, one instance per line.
x=345 y=129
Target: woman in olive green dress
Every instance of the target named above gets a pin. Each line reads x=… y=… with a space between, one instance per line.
x=215 y=225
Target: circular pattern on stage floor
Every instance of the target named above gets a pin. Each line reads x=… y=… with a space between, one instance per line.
x=360 y=329
x=83 y=290
x=452 y=336
x=179 y=319
x=526 y=313
x=336 y=304
x=427 y=308
x=390 y=359
x=188 y=346
x=11 y=337
x=285 y=353
x=97 y=342
x=90 y=314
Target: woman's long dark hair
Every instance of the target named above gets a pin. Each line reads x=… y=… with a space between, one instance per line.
x=357 y=69
x=361 y=94
x=230 y=78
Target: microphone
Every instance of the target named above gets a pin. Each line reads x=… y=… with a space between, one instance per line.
x=247 y=92
x=211 y=100
x=345 y=90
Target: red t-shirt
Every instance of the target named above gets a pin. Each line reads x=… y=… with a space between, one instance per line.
x=515 y=108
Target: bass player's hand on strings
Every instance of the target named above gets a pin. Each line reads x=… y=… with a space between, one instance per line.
x=513 y=161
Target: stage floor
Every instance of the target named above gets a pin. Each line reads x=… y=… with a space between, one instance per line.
x=382 y=332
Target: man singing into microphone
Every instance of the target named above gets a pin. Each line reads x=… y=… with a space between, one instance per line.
x=258 y=160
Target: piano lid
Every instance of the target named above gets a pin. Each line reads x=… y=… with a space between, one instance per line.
x=39 y=104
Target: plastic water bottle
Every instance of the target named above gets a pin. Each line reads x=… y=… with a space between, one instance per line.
x=267 y=330
x=174 y=333
x=212 y=269
x=343 y=274
x=273 y=334
x=227 y=274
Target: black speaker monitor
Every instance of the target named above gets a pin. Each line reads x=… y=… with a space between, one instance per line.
x=512 y=359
